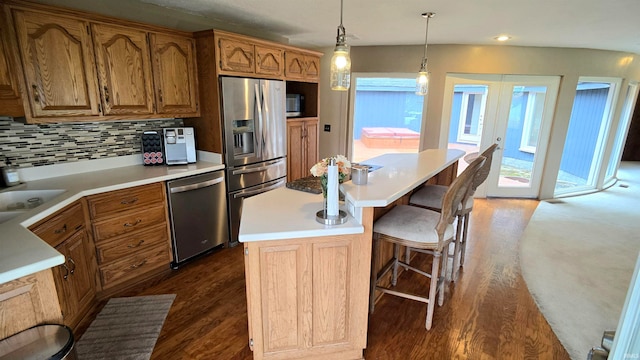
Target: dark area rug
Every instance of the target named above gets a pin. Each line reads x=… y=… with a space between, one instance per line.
x=126 y=328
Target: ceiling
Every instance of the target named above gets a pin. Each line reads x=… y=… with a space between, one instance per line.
x=597 y=24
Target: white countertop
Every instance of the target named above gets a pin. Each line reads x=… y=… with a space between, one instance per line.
x=286 y=213
x=23 y=253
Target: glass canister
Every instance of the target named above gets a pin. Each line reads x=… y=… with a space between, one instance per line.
x=10 y=174
x=359 y=174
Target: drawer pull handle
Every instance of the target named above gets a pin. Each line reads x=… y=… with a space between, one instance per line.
x=79 y=227
x=134 y=266
x=134 y=224
x=62 y=230
x=73 y=270
x=66 y=271
x=131 y=246
x=131 y=201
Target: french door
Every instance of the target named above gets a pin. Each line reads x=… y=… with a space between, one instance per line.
x=512 y=110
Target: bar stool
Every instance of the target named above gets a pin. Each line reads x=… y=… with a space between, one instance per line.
x=425 y=231
x=430 y=197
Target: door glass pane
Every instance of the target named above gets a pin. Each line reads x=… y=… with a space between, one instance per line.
x=387 y=117
x=621 y=133
x=467 y=120
x=521 y=136
x=588 y=126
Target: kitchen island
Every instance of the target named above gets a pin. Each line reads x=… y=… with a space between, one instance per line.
x=307 y=283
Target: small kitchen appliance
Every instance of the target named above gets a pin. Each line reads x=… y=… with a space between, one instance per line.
x=152 y=153
x=179 y=145
x=295 y=105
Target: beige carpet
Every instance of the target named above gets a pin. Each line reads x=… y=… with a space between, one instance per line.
x=125 y=329
x=578 y=255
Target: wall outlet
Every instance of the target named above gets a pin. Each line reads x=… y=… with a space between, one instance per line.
x=327 y=127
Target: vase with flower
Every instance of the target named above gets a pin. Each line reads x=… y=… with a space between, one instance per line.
x=321 y=170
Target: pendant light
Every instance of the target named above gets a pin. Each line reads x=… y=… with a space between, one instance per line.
x=422 y=81
x=341 y=62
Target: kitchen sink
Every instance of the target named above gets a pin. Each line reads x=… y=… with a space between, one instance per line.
x=13 y=203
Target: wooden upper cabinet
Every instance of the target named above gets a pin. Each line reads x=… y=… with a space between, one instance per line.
x=299 y=66
x=236 y=55
x=312 y=68
x=269 y=61
x=10 y=100
x=124 y=69
x=174 y=73
x=58 y=62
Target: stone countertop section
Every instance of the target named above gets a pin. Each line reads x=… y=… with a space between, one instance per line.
x=285 y=213
x=23 y=253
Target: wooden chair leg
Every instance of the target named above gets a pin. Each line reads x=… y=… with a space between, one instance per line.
x=433 y=287
x=456 y=248
x=463 y=247
x=442 y=277
x=396 y=254
x=374 y=275
x=407 y=255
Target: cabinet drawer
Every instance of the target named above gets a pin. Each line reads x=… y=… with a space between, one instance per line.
x=56 y=229
x=128 y=222
x=135 y=265
x=126 y=245
x=114 y=202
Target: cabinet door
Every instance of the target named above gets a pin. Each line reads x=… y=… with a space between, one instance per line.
x=269 y=61
x=312 y=68
x=58 y=62
x=10 y=100
x=311 y=142
x=236 y=55
x=306 y=298
x=174 y=73
x=294 y=65
x=124 y=69
x=295 y=150
x=75 y=278
x=28 y=301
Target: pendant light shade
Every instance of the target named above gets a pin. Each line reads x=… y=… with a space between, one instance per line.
x=340 y=61
x=422 y=80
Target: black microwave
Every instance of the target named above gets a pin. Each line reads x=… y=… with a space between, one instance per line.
x=295 y=105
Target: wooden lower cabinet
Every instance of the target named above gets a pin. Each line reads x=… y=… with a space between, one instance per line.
x=307 y=298
x=302 y=147
x=75 y=279
x=131 y=232
x=28 y=301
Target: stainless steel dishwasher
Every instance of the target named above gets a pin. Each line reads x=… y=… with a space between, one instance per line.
x=198 y=214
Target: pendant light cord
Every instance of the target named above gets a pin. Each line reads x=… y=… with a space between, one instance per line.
x=342 y=34
x=426 y=35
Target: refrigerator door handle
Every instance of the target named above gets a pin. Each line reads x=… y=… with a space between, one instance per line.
x=243 y=194
x=259 y=131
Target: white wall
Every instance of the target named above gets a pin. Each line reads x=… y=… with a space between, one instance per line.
x=570 y=64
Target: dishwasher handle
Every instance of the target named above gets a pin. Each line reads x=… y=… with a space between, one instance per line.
x=200 y=185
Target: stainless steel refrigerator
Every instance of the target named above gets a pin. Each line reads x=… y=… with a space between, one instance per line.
x=253 y=114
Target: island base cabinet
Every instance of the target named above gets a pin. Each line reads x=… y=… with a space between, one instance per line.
x=308 y=298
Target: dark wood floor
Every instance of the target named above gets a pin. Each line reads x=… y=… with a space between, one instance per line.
x=489 y=314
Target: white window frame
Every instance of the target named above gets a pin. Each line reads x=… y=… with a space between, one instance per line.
x=529 y=122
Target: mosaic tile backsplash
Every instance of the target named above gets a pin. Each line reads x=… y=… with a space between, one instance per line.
x=38 y=145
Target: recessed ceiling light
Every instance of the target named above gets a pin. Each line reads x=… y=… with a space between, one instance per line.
x=502 y=37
